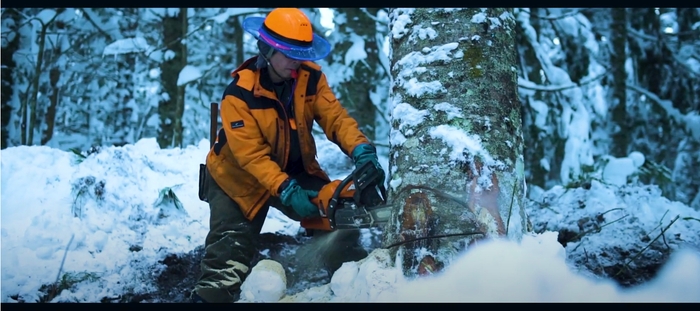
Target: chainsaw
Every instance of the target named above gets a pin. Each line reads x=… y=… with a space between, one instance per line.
x=358 y=201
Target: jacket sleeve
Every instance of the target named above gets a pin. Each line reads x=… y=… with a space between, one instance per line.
x=247 y=144
x=339 y=126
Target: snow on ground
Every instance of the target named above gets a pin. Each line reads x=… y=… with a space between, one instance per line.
x=102 y=222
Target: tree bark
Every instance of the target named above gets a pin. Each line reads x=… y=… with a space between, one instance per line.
x=620 y=135
x=172 y=108
x=685 y=93
x=8 y=68
x=367 y=73
x=126 y=88
x=537 y=136
x=50 y=116
x=457 y=175
x=29 y=125
x=233 y=32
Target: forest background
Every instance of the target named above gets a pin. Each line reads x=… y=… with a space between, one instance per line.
x=595 y=84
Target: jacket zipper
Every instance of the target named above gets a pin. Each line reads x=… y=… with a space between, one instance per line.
x=277 y=137
x=287 y=132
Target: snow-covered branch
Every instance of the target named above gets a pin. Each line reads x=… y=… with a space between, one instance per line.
x=377 y=20
x=662 y=39
x=87 y=12
x=554 y=17
x=689 y=122
x=555 y=88
x=218 y=19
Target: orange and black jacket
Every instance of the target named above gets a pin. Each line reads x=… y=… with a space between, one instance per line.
x=250 y=155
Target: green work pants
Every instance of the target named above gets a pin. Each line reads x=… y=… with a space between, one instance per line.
x=230 y=245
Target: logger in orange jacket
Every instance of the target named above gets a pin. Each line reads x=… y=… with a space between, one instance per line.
x=265 y=153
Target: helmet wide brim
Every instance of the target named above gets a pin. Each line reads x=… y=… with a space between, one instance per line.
x=319 y=48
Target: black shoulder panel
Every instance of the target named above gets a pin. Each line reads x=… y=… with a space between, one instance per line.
x=247 y=97
x=233 y=89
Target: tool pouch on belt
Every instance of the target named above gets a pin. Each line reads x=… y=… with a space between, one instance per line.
x=203 y=180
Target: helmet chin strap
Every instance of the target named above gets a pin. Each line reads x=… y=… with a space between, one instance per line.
x=294 y=73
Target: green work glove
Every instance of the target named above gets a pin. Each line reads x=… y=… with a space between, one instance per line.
x=299 y=199
x=364 y=153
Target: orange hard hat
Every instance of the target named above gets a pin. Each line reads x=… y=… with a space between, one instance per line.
x=289 y=31
x=291 y=24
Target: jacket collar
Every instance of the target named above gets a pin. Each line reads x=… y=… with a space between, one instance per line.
x=262 y=84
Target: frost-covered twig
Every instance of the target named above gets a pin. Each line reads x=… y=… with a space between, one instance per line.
x=580 y=235
x=648 y=245
x=661 y=223
x=60 y=268
x=610 y=210
x=690 y=218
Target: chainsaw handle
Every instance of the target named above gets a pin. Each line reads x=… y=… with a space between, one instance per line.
x=330 y=213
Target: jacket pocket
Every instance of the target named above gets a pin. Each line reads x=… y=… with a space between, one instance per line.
x=234 y=180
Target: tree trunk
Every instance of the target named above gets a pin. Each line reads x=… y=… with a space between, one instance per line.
x=172 y=108
x=367 y=73
x=30 y=125
x=50 y=117
x=547 y=149
x=233 y=33
x=577 y=60
x=618 y=58
x=11 y=20
x=457 y=175
x=126 y=89
x=653 y=62
x=685 y=91
x=537 y=136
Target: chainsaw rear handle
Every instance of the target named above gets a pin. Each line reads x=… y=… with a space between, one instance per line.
x=326 y=221
x=362 y=178
x=330 y=212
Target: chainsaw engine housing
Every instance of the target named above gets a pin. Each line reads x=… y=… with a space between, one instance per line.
x=347 y=199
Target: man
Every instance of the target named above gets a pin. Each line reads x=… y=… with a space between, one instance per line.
x=265 y=153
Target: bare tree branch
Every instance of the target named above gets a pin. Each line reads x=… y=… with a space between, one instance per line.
x=88 y=16
x=639 y=34
x=198 y=28
x=549 y=17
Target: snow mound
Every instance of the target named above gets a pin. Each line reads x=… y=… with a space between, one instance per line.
x=267 y=282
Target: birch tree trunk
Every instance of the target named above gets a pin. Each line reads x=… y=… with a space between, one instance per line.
x=456 y=141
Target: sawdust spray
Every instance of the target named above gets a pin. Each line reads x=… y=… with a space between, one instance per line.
x=328 y=250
